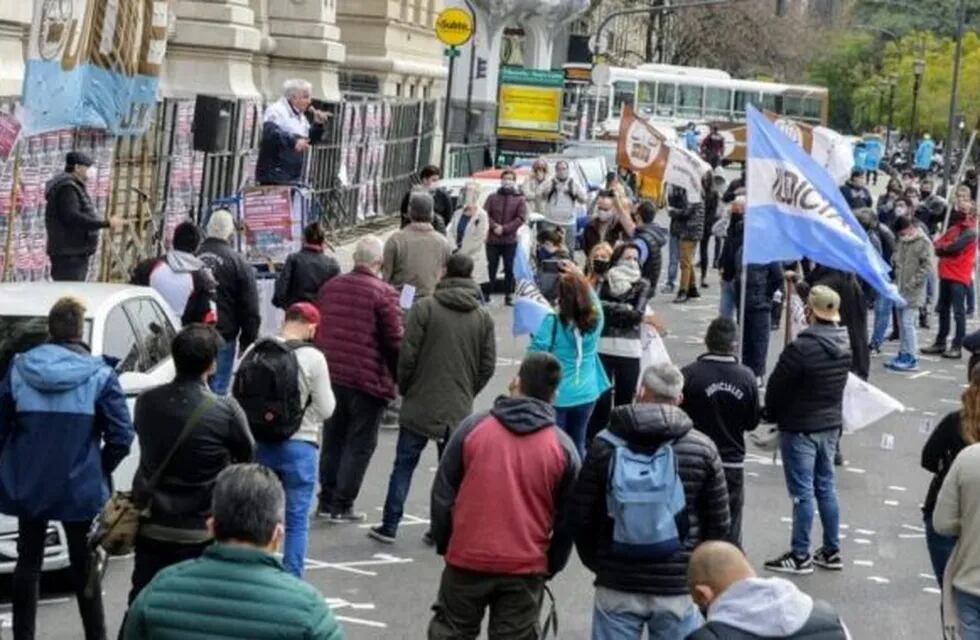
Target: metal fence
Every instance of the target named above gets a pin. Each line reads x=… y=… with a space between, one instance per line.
x=466 y=159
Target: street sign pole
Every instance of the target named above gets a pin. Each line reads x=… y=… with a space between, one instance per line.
x=454 y=28
x=452 y=52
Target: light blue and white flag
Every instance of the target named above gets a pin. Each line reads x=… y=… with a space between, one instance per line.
x=530 y=307
x=795 y=210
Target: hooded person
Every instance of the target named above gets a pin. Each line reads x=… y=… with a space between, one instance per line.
x=181 y=278
x=741 y=606
x=913 y=260
x=853 y=313
x=855 y=191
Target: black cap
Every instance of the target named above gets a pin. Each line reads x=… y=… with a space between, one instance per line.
x=76 y=158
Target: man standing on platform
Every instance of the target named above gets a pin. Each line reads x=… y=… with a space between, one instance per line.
x=287 y=135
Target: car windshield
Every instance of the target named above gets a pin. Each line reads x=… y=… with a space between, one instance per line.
x=594 y=170
x=20 y=333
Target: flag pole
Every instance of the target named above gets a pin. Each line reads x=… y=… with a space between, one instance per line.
x=745 y=268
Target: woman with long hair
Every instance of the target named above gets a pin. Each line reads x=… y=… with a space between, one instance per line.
x=572 y=336
x=467 y=233
x=957 y=430
x=598 y=263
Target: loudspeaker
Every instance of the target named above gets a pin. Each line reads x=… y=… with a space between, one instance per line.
x=212 y=124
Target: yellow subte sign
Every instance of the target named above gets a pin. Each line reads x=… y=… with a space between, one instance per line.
x=454 y=27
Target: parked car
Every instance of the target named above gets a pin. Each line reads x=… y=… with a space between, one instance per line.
x=131 y=324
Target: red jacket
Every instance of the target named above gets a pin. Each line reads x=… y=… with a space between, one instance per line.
x=957 y=251
x=499 y=500
x=509 y=210
x=360 y=332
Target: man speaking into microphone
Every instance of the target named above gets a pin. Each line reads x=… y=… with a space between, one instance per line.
x=287 y=135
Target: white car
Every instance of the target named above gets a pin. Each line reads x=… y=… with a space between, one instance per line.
x=131 y=324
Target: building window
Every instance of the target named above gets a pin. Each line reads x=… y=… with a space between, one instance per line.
x=425 y=92
x=411 y=91
x=398 y=89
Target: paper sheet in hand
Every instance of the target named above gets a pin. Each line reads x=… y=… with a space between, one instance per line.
x=865 y=404
x=654 y=350
x=407 y=297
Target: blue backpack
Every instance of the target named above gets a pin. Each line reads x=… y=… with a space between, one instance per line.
x=645 y=499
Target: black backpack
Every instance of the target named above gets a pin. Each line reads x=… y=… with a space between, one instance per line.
x=267 y=388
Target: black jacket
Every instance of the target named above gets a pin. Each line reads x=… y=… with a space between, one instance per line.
x=823 y=624
x=853 y=313
x=646 y=427
x=856 y=197
x=279 y=162
x=940 y=450
x=711 y=200
x=733 y=186
x=805 y=392
x=731 y=251
x=761 y=283
x=654 y=237
x=181 y=503
x=442 y=209
x=302 y=276
x=624 y=314
x=71 y=222
x=238 y=299
x=722 y=398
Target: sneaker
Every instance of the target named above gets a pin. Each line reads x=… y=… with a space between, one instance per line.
x=509 y=300
x=346 y=517
x=704 y=284
x=790 y=563
x=681 y=297
x=381 y=534
x=902 y=362
x=874 y=347
x=953 y=353
x=828 y=559
x=934 y=350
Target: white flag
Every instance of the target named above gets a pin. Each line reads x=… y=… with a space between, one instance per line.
x=865 y=404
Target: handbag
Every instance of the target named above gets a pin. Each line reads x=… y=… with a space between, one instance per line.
x=118 y=523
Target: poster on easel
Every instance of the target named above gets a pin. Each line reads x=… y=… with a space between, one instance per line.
x=273 y=223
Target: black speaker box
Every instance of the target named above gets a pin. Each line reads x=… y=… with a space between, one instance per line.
x=212 y=124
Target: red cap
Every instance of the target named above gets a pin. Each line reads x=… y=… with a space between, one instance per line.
x=305 y=311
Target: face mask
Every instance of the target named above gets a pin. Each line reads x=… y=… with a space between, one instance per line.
x=901 y=211
x=562 y=174
x=629 y=262
x=600 y=266
x=924 y=193
x=507 y=185
x=605 y=215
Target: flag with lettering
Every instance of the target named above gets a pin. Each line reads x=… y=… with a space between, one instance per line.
x=530 y=306
x=795 y=210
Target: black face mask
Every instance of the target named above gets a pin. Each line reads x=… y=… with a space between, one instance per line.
x=923 y=194
x=600 y=266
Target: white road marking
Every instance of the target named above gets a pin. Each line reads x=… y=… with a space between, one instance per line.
x=377 y=559
x=843 y=526
x=854 y=470
x=861 y=541
x=407 y=519
x=879 y=580
x=366 y=623
x=921 y=374
x=893 y=487
x=752 y=474
x=864 y=563
x=927 y=576
x=912 y=527
x=891 y=503
x=933 y=590
x=929 y=413
x=944 y=400
x=911 y=536
x=864 y=532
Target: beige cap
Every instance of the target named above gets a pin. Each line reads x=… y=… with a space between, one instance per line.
x=824 y=303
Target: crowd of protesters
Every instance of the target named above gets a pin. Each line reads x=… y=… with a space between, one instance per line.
x=638 y=468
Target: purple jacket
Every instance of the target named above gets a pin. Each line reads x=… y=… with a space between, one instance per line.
x=509 y=210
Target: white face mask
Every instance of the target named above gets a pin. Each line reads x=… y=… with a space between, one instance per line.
x=507 y=184
x=604 y=215
x=561 y=174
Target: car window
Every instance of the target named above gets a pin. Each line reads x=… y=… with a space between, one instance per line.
x=119 y=341
x=153 y=329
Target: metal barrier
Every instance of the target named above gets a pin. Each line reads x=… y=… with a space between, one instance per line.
x=466 y=159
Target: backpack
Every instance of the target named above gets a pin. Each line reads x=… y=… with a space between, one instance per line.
x=267 y=388
x=645 y=499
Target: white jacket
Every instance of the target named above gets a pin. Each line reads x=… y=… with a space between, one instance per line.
x=474 y=242
x=957 y=513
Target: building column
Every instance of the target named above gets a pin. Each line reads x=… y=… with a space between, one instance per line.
x=306 y=44
x=539 y=39
x=15 y=20
x=211 y=50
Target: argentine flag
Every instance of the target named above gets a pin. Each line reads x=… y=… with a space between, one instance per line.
x=530 y=307
x=794 y=210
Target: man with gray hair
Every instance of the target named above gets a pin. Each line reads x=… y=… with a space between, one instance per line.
x=416 y=255
x=640 y=556
x=289 y=127
x=360 y=333
x=223 y=593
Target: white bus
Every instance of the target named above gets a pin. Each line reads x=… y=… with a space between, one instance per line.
x=672 y=96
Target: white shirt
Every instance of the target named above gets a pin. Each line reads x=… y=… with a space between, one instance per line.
x=282 y=114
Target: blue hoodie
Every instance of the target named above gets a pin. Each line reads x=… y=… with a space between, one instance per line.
x=64 y=427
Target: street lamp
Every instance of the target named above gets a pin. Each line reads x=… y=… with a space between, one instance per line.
x=918 y=68
x=954 y=97
x=892 y=81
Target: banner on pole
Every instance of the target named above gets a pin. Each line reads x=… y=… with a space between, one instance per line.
x=94 y=64
x=649 y=154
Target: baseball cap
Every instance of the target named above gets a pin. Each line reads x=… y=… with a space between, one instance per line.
x=305 y=311
x=824 y=303
x=77 y=158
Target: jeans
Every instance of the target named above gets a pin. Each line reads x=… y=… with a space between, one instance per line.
x=514 y=602
x=624 y=373
x=350 y=437
x=940 y=548
x=220 y=382
x=735 y=480
x=295 y=462
x=755 y=345
x=407 y=452
x=687 y=249
x=932 y=283
x=574 y=421
x=883 y=315
x=619 y=615
x=69 y=268
x=727 y=306
x=908 y=338
x=27 y=576
x=971 y=299
x=968 y=612
x=494 y=254
x=808 y=464
x=704 y=249
x=952 y=298
x=674 y=260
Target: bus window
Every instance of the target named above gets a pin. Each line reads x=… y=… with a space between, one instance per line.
x=665 y=99
x=812 y=109
x=690 y=101
x=717 y=103
x=792 y=106
x=772 y=102
x=743 y=98
x=646 y=96
x=624 y=92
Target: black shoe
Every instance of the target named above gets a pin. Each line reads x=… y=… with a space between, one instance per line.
x=693 y=293
x=923 y=318
x=704 y=285
x=934 y=350
x=828 y=559
x=428 y=540
x=893 y=337
x=346 y=517
x=789 y=563
x=953 y=353
x=381 y=534
x=681 y=297
x=838 y=459
x=509 y=300
x=874 y=347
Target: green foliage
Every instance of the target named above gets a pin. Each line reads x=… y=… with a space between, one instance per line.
x=843 y=67
x=905 y=16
